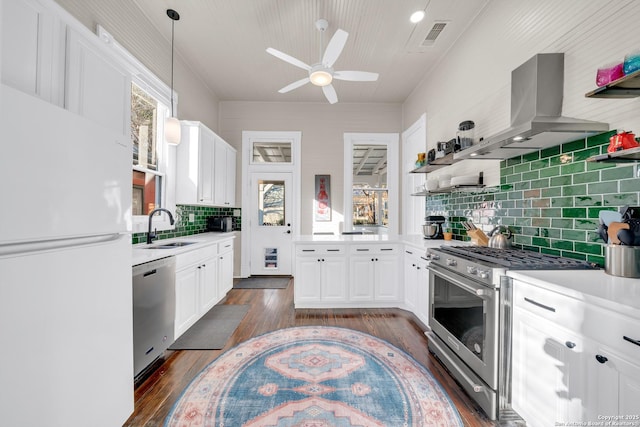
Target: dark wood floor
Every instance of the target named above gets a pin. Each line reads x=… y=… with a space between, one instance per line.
x=272 y=309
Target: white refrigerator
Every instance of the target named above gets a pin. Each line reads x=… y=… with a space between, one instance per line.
x=66 y=355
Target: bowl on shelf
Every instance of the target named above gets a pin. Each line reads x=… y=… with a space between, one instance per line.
x=444 y=181
x=431 y=184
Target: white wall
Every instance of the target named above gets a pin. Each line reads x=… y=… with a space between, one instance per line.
x=322 y=126
x=131 y=28
x=473 y=81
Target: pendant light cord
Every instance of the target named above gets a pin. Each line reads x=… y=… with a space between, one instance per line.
x=173 y=23
x=174 y=17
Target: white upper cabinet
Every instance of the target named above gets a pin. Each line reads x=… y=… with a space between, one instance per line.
x=195 y=162
x=32 y=50
x=47 y=55
x=224 y=174
x=205 y=168
x=96 y=86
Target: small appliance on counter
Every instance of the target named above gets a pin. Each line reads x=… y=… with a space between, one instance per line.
x=432 y=229
x=222 y=224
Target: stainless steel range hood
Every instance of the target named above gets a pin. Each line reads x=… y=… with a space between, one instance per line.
x=536 y=113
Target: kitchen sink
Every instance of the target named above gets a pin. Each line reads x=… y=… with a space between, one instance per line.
x=171 y=245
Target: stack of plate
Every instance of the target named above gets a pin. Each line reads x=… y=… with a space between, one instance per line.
x=464 y=180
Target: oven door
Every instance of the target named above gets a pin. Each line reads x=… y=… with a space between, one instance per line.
x=464 y=315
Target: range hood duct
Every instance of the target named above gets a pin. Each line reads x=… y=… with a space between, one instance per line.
x=536 y=113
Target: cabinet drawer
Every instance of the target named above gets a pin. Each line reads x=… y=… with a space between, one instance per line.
x=193 y=257
x=374 y=249
x=549 y=305
x=314 y=250
x=225 y=246
x=610 y=328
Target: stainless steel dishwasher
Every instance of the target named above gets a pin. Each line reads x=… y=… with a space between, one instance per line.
x=154 y=305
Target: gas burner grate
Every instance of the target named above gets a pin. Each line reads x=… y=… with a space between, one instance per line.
x=519 y=259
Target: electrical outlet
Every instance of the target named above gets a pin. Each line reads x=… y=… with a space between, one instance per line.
x=236 y=212
x=192 y=217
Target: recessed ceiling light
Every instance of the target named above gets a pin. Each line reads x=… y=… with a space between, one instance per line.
x=417 y=16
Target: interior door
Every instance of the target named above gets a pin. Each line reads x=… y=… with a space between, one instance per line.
x=271 y=223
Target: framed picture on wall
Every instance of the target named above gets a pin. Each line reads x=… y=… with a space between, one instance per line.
x=322 y=205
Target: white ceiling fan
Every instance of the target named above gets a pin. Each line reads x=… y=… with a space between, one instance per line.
x=322 y=73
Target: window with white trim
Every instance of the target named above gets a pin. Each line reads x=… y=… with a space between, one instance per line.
x=150 y=98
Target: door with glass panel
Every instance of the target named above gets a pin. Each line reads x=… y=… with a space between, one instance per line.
x=271 y=223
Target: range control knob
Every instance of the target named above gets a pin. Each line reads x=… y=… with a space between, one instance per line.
x=472 y=269
x=434 y=257
x=451 y=262
x=483 y=274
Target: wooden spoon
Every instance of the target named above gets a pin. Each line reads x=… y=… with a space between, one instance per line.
x=613 y=229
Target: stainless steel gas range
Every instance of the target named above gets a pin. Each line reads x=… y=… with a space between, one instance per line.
x=470 y=317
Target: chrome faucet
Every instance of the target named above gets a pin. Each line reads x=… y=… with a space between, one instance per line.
x=150 y=235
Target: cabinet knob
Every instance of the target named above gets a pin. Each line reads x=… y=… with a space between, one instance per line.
x=570 y=344
x=600 y=358
x=413 y=265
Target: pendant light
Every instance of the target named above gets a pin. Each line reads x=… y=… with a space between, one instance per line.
x=172 y=124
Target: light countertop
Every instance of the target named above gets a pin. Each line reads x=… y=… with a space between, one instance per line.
x=141 y=254
x=592 y=286
x=414 y=240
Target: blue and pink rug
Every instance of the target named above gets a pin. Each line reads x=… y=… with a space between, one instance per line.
x=314 y=377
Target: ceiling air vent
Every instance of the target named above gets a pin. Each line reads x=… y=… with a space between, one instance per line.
x=433 y=33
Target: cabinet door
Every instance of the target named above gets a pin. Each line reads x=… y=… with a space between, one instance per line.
x=187 y=299
x=307 y=279
x=334 y=276
x=32 y=50
x=208 y=283
x=387 y=278
x=361 y=283
x=225 y=174
x=422 y=285
x=96 y=86
x=225 y=273
x=410 y=280
x=613 y=384
x=206 y=153
x=230 y=189
x=547 y=371
x=220 y=173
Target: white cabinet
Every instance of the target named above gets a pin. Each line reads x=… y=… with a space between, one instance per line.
x=224 y=174
x=225 y=267
x=571 y=360
x=206 y=168
x=196 y=286
x=96 y=86
x=47 y=55
x=416 y=283
x=374 y=273
x=411 y=273
x=546 y=371
x=320 y=275
x=194 y=165
x=32 y=50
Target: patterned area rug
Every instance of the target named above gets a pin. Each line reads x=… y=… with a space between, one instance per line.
x=314 y=377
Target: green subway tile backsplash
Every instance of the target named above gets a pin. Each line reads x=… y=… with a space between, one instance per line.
x=199 y=225
x=549 y=199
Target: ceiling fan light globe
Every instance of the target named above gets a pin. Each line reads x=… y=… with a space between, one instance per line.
x=321 y=78
x=417 y=16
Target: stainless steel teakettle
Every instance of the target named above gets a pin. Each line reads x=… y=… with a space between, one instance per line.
x=498 y=240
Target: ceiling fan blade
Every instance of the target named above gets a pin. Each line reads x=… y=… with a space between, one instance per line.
x=356 y=76
x=334 y=48
x=288 y=58
x=330 y=93
x=295 y=85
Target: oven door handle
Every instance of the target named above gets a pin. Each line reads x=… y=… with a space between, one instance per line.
x=460 y=282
